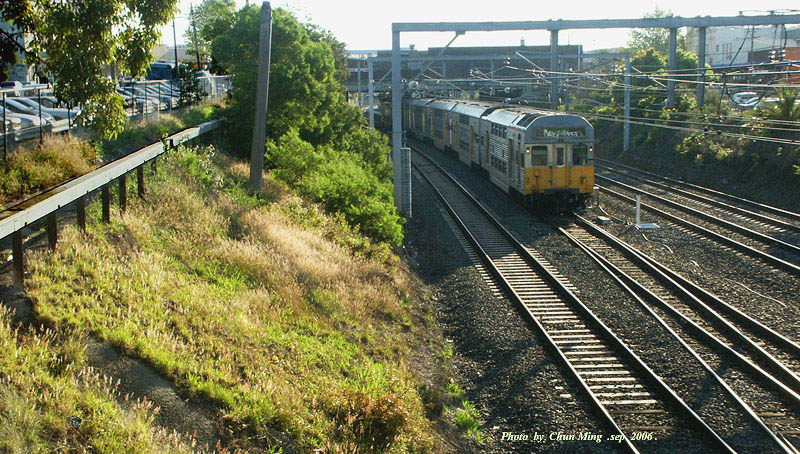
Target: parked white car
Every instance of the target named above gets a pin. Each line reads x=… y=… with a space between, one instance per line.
x=14 y=105
x=58 y=113
x=11 y=85
x=745 y=98
x=27 y=120
x=12 y=123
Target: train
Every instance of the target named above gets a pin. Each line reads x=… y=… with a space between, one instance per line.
x=543 y=158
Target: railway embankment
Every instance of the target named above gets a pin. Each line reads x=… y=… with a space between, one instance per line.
x=765 y=172
x=250 y=323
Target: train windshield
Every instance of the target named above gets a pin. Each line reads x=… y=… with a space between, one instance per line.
x=559 y=156
x=580 y=155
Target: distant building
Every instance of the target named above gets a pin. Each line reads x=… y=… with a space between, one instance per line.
x=733 y=46
x=20 y=71
x=463 y=63
x=167 y=53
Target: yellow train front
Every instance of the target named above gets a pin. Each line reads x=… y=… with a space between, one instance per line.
x=544 y=158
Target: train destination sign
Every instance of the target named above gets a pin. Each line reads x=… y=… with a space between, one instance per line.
x=554 y=133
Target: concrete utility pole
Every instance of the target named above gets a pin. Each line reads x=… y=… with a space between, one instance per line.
x=701 y=65
x=196 y=45
x=175 y=41
x=397 y=121
x=371 y=88
x=673 y=55
x=626 y=138
x=262 y=100
x=553 y=69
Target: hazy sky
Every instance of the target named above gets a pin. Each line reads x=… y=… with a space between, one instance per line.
x=367 y=24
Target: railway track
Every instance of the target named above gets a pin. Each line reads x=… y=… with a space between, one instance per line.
x=717 y=198
x=774 y=251
x=713 y=339
x=630 y=398
x=782 y=229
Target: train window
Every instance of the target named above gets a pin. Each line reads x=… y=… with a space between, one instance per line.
x=559 y=156
x=539 y=156
x=580 y=154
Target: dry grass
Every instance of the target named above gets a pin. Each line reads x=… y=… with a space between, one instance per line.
x=62 y=157
x=259 y=305
x=38 y=166
x=51 y=402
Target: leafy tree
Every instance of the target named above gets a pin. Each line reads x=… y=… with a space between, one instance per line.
x=317 y=142
x=212 y=18
x=656 y=38
x=339 y=50
x=18 y=13
x=82 y=38
x=191 y=91
x=303 y=85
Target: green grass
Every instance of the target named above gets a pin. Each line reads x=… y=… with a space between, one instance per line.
x=35 y=167
x=139 y=135
x=468 y=419
x=269 y=308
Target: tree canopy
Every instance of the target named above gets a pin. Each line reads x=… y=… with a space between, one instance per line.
x=82 y=40
x=212 y=18
x=18 y=13
x=655 y=38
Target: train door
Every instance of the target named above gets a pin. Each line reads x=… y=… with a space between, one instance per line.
x=472 y=142
x=559 y=166
x=486 y=148
x=512 y=159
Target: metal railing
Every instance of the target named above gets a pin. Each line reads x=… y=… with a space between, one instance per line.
x=24 y=120
x=45 y=204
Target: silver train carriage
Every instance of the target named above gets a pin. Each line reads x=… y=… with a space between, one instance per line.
x=540 y=157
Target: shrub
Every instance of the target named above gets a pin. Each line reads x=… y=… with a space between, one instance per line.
x=343 y=185
x=291 y=157
x=36 y=167
x=373 y=424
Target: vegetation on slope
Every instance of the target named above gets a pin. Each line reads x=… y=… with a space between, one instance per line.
x=261 y=305
x=702 y=153
x=318 y=143
x=62 y=157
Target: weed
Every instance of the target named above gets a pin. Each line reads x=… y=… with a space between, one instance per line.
x=371 y=424
x=454 y=390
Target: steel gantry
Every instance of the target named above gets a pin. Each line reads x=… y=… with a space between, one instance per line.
x=554 y=26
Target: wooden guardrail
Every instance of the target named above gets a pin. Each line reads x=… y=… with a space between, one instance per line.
x=44 y=205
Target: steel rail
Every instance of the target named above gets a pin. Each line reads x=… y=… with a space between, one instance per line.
x=690 y=289
x=707 y=217
x=557 y=284
x=704 y=199
x=765 y=207
x=795 y=269
x=627 y=282
x=17 y=217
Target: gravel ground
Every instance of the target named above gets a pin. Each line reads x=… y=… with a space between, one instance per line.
x=650 y=341
x=767 y=294
x=501 y=364
x=774 y=250
x=722 y=213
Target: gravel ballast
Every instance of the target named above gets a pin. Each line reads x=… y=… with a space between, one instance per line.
x=617 y=310
x=503 y=367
